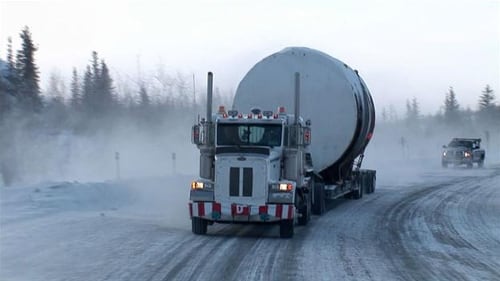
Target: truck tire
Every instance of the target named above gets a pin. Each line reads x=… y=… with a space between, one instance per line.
x=305 y=211
x=358 y=194
x=480 y=164
x=286 y=229
x=469 y=165
x=370 y=183
x=374 y=183
x=199 y=226
x=318 y=204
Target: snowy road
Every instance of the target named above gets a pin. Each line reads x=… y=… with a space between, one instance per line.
x=434 y=225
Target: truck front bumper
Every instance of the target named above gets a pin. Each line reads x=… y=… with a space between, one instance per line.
x=457 y=160
x=216 y=212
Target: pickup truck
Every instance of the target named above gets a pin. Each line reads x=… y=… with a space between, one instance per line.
x=463 y=151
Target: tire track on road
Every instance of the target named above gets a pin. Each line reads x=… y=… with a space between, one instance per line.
x=423 y=240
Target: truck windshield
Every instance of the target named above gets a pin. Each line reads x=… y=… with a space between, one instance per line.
x=249 y=134
x=460 y=143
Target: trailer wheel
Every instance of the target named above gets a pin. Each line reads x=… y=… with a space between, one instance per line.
x=357 y=194
x=374 y=183
x=366 y=183
x=199 y=226
x=286 y=229
x=318 y=204
x=370 y=183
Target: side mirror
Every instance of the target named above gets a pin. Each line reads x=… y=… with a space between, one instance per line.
x=195 y=135
x=307 y=135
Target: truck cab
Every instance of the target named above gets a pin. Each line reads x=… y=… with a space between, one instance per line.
x=252 y=170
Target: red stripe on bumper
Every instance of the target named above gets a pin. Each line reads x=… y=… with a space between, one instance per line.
x=290 y=211
x=201 y=209
x=279 y=210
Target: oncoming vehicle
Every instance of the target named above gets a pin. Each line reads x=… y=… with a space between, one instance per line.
x=463 y=151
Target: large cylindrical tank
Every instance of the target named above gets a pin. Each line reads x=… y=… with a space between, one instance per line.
x=332 y=96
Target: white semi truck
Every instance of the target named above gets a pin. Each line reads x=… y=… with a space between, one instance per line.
x=294 y=137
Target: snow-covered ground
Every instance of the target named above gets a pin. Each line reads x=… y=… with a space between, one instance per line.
x=421 y=224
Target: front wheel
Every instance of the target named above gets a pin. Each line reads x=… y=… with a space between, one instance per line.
x=480 y=164
x=305 y=210
x=199 y=226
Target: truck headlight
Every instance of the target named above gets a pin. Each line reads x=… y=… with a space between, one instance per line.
x=444 y=153
x=201 y=185
x=285 y=187
x=282 y=187
x=467 y=154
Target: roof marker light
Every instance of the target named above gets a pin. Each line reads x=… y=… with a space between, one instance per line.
x=222 y=109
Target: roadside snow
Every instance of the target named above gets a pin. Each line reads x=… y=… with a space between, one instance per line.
x=67 y=230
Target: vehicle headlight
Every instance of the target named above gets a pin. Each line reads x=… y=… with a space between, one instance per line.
x=283 y=187
x=467 y=154
x=201 y=185
x=286 y=187
x=444 y=153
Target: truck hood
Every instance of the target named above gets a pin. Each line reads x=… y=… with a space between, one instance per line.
x=457 y=148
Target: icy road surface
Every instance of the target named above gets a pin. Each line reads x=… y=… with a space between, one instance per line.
x=425 y=225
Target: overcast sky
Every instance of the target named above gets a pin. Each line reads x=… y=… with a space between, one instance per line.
x=403 y=49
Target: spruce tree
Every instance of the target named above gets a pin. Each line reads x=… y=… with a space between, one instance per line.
x=144 y=98
x=412 y=111
x=87 y=92
x=76 y=98
x=487 y=109
x=486 y=99
x=104 y=89
x=408 y=110
x=11 y=76
x=4 y=104
x=415 y=107
x=29 y=89
x=451 y=108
